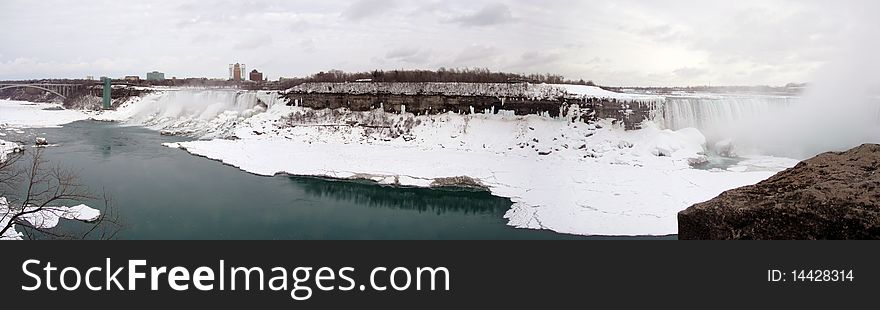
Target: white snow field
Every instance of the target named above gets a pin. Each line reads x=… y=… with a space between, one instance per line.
x=23 y=114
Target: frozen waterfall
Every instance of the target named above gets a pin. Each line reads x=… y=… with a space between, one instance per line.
x=776 y=125
x=720 y=117
x=202 y=113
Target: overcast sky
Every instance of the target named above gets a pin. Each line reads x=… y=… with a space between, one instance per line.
x=611 y=42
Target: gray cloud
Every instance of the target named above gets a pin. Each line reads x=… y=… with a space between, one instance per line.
x=663 y=33
x=208 y=37
x=613 y=42
x=476 y=55
x=493 y=14
x=253 y=42
x=306 y=45
x=363 y=9
x=299 y=26
x=540 y=57
x=409 y=55
x=689 y=73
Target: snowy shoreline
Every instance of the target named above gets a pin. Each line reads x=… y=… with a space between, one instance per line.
x=380 y=180
x=540 y=202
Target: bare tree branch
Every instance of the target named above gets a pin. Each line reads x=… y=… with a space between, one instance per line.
x=48 y=190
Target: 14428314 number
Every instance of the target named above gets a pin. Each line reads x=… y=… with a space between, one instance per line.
x=822 y=275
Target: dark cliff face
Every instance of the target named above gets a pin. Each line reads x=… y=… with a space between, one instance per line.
x=834 y=195
x=630 y=113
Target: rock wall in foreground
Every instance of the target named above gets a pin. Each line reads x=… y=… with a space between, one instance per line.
x=834 y=195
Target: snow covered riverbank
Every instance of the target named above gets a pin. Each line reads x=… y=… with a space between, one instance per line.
x=569 y=196
x=15 y=116
x=23 y=114
x=562 y=176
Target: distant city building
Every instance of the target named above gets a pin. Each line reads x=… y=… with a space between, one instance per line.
x=132 y=78
x=90 y=77
x=237 y=72
x=256 y=76
x=155 y=76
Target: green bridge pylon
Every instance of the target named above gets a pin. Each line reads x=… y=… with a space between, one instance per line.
x=107 y=90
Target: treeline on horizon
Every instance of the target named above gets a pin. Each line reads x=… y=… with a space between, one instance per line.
x=461 y=75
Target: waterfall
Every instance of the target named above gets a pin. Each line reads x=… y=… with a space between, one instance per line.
x=270 y=98
x=202 y=113
x=713 y=113
x=719 y=117
x=775 y=125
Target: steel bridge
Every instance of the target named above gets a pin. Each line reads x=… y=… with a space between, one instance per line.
x=60 y=90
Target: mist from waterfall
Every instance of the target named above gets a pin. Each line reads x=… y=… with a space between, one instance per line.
x=202 y=113
x=840 y=108
x=823 y=119
x=720 y=117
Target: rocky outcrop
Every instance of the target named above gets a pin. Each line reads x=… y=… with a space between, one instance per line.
x=834 y=195
x=460 y=181
x=436 y=98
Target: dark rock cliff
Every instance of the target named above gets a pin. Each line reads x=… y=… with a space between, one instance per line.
x=511 y=98
x=834 y=195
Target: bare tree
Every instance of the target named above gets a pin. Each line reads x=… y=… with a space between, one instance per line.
x=38 y=188
x=464 y=75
